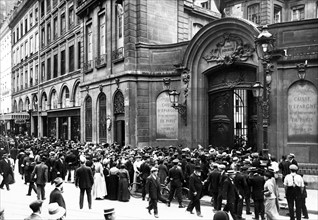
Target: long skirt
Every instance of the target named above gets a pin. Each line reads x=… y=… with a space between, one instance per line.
x=99 y=187
x=123 y=192
x=271 y=209
x=113 y=187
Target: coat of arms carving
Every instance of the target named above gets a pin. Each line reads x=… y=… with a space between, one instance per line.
x=230 y=49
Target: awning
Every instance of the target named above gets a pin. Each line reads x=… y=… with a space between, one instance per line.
x=15 y=116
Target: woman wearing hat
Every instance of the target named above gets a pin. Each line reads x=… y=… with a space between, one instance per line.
x=99 y=187
x=123 y=183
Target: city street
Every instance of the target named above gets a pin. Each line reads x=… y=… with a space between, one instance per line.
x=16 y=205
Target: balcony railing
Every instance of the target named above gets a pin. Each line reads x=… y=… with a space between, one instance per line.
x=55 y=36
x=118 y=54
x=26 y=85
x=88 y=66
x=63 y=30
x=55 y=3
x=100 y=61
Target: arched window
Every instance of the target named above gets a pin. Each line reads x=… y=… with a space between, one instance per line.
x=44 y=101
x=88 y=118
x=27 y=104
x=15 y=106
x=53 y=100
x=102 y=117
x=20 y=105
x=65 y=97
x=77 y=96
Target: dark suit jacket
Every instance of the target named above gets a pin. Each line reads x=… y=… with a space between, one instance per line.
x=5 y=167
x=240 y=183
x=214 y=180
x=153 y=187
x=230 y=191
x=41 y=173
x=60 y=168
x=84 y=177
x=195 y=186
x=176 y=176
x=257 y=185
x=56 y=196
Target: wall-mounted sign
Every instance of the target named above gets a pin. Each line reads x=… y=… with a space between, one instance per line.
x=167 y=118
x=302 y=113
x=230 y=49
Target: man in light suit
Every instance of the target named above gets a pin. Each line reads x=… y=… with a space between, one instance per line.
x=56 y=194
x=40 y=174
x=36 y=207
x=84 y=179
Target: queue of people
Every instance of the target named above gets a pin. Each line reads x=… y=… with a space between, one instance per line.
x=105 y=171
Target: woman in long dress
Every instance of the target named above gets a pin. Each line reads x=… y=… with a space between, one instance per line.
x=270 y=193
x=99 y=187
x=123 y=184
x=113 y=183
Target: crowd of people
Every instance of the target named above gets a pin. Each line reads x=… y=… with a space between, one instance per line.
x=105 y=171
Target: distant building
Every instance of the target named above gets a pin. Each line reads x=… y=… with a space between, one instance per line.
x=5 y=77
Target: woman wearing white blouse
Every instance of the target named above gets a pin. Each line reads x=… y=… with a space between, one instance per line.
x=271 y=195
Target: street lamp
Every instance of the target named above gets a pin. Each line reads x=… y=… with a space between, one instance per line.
x=264 y=44
x=182 y=108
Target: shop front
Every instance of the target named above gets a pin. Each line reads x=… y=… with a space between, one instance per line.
x=64 y=124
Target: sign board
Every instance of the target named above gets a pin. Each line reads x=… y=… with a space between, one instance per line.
x=167 y=118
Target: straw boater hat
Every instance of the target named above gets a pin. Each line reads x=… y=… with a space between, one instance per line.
x=55 y=211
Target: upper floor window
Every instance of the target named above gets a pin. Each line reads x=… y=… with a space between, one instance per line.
x=21 y=28
x=89 y=40
x=48 y=31
x=253 y=13
x=13 y=37
x=43 y=37
x=120 y=25
x=298 y=13
x=317 y=9
x=42 y=8
x=277 y=14
x=202 y=3
x=55 y=28
x=48 y=6
x=63 y=24
x=31 y=19
x=18 y=33
x=36 y=14
x=26 y=25
x=101 y=20
x=71 y=17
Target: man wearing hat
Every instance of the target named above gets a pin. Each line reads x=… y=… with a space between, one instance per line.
x=294 y=186
x=195 y=191
x=145 y=172
x=153 y=189
x=5 y=171
x=56 y=194
x=84 y=179
x=257 y=186
x=231 y=195
x=176 y=179
x=223 y=177
x=212 y=182
x=36 y=207
x=40 y=174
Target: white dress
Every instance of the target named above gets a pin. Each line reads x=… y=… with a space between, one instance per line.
x=99 y=187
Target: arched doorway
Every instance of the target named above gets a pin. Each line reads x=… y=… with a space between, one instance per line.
x=119 y=117
x=232 y=109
